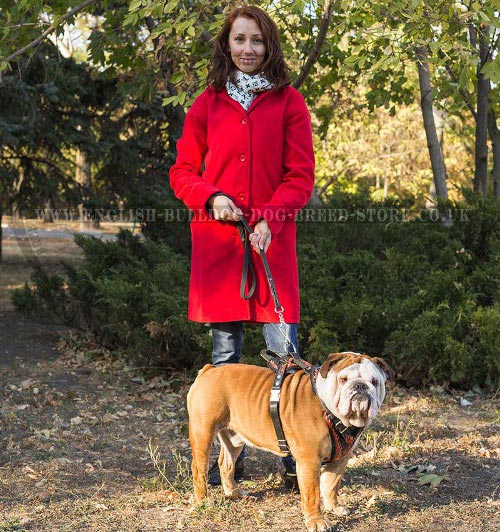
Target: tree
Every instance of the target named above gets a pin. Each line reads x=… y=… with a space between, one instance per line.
x=382 y=38
x=435 y=152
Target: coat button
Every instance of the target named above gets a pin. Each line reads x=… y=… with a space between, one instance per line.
x=242 y=158
x=244 y=121
x=241 y=197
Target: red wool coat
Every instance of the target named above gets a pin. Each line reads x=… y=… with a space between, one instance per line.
x=263 y=159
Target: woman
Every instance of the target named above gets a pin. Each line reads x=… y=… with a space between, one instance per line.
x=246 y=150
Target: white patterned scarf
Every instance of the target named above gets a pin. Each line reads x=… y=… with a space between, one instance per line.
x=247 y=87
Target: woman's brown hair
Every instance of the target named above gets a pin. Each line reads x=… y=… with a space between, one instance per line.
x=273 y=67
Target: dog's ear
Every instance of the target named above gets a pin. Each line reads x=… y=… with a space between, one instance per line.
x=384 y=366
x=332 y=359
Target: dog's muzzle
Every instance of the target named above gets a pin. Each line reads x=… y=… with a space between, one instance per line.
x=359 y=398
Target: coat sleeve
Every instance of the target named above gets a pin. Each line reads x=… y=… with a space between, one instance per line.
x=186 y=177
x=298 y=170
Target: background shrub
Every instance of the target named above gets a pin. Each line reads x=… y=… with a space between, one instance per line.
x=422 y=295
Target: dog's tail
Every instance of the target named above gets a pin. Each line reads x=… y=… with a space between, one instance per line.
x=204 y=369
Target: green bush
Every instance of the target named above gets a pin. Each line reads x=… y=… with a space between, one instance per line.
x=420 y=294
x=131 y=294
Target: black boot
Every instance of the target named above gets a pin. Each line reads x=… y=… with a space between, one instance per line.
x=290 y=473
x=239 y=470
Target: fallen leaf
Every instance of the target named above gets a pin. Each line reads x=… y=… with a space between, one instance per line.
x=62 y=460
x=371 y=501
x=431 y=479
x=25 y=384
x=416 y=468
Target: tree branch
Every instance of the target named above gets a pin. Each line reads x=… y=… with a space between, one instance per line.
x=38 y=160
x=464 y=94
x=320 y=39
x=47 y=32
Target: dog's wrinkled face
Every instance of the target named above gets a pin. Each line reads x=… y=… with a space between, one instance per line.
x=353 y=386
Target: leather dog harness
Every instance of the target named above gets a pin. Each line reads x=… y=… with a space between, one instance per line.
x=342 y=438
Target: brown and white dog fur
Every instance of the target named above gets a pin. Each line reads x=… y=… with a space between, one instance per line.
x=232 y=402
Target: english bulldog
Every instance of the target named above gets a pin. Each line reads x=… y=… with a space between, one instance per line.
x=232 y=402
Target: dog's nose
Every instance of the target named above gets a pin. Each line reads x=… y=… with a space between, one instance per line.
x=360 y=387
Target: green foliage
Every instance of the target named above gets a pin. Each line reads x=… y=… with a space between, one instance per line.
x=131 y=294
x=422 y=295
x=44 y=295
x=61 y=106
x=169 y=225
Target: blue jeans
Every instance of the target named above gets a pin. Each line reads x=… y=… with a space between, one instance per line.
x=228 y=338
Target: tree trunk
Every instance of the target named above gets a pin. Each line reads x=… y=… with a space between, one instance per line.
x=83 y=176
x=431 y=201
x=495 y=145
x=483 y=89
x=47 y=212
x=435 y=153
x=18 y=183
x=315 y=200
x=1 y=233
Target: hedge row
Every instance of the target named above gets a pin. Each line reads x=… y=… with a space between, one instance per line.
x=420 y=294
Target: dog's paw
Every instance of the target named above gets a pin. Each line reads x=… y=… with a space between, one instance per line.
x=195 y=501
x=320 y=525
x=340 y=510
x=335 y=509
x=237 y=493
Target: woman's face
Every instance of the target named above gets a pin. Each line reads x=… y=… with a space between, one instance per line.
x=246 y=45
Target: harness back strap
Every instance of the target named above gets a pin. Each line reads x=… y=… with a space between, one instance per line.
x=275 y=408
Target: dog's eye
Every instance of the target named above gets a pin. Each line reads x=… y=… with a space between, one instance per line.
x=374 y=382
x=342 y=380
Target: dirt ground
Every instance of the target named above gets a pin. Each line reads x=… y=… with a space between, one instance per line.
x=76 y=426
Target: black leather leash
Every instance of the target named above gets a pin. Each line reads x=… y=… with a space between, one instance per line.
x=244 y=228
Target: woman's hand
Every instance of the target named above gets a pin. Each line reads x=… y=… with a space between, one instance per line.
x=224 y=209
x=261 y=237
